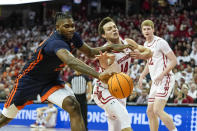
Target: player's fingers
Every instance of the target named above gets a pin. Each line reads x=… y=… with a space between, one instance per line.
x=95 y=59
x=113 y=73
x=105 y=53
x=100 y=52
x=97 y=56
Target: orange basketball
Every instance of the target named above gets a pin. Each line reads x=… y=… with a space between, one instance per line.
x=120 y=85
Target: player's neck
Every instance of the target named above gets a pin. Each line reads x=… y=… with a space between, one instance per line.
x=150 y=39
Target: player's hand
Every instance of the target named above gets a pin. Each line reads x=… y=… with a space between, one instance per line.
x=88 y=97
x=136 y=54
x=118 y=47
x=140 y=82
x=159 y=79
x=105 y=59
x=104 y=76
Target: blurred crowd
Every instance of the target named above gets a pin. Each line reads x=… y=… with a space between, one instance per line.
x=17 y=45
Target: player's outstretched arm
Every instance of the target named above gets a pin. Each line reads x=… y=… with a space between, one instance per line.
x=139 y=52
x=91 y=52
x=75 y=63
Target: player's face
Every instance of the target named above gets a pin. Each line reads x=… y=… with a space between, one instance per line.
x=147 y=31
x=67 y=28
x=111 y=31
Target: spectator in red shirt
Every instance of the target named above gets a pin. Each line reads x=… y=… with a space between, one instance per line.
x=183 y=96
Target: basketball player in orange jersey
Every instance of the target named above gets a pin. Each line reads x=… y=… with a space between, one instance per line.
x=117 y=115
x=160 y=67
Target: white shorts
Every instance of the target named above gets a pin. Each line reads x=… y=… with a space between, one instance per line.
x=115 y=109
x=56 y=97
x=163 y=90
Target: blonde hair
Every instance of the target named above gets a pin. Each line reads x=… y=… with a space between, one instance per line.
x=147 y=23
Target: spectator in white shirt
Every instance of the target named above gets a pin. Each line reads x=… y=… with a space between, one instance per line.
x=193 y=55
x=134 y=69
x=189 y=73
x=193 y=91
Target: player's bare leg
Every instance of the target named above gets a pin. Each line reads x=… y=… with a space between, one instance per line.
x=4 y=120
x=71 y=105
x=152 y=118
x=127 y=129
x=165 y=118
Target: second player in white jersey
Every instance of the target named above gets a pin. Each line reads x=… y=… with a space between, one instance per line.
x=160 y=68
x=158 y=62
x=156 y=65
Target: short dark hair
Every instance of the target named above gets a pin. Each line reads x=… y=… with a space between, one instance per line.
x=102 y=23
x=62 y=15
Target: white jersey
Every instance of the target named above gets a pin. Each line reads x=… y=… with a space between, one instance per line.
x=158 y=62
x=121 y=63
x=115 y=109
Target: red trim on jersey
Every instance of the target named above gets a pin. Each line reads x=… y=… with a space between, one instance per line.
x=151 y=99
x=101 y=98
x=166 y=88
x=151 y=44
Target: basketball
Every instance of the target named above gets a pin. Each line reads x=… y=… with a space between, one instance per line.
x=120 y=85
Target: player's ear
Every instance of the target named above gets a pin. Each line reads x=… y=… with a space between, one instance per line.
x=103 y=35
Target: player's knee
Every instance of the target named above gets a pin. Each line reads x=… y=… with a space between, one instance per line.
x=71 y=105
x=4 y=120
x=157 y=111
x=149 y=112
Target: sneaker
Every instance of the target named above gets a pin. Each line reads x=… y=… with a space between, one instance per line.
x=34 y=125
x=42 y=126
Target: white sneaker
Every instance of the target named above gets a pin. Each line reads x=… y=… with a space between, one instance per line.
x=34 y=125
x=42 y=126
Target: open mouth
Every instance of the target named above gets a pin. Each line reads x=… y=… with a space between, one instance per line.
x=115 y=33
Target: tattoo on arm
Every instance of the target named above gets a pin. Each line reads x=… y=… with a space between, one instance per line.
x=75 y=63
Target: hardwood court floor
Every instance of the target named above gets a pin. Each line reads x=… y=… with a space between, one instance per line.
x=26 y=128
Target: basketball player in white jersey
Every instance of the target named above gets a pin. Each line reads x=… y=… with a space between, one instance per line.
x=117 y=115
x=160 y=67
x=46 y=117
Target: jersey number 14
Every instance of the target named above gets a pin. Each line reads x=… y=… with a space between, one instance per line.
x=124 y=67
